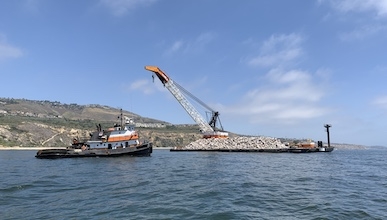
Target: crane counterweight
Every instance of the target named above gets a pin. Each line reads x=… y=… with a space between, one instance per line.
x=209 y=130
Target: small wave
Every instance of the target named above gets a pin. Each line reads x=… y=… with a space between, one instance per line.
x=15 y=188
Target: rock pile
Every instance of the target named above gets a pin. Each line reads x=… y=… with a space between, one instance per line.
x=236 y=143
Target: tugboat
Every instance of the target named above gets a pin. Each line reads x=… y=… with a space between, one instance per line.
x=120 y=140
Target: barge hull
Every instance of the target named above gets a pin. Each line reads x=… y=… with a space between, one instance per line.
x=279 y=150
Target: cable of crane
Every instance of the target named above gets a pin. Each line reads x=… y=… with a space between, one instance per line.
x=193 y=97
x=200 y=102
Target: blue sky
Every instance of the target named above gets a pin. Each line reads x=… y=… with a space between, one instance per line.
x=274 y=68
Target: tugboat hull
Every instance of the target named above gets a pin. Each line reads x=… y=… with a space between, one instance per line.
x=140 y=150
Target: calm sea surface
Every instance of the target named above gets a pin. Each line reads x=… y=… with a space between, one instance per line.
x=343 y=184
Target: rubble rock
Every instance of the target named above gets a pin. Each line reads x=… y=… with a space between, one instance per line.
x=235 y=143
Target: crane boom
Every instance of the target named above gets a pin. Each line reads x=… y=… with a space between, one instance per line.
x=176 y=90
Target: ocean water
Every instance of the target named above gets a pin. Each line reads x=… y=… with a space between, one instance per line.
x=343 y=184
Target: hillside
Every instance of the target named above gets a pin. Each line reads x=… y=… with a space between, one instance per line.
x=29 y=123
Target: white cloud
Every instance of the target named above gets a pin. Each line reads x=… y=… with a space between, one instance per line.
x=377 y=6
x=278 y=50
x=201 y=42
x=147 y=86
x=198 y=44
x=362 y=32
x=289 y=96
x=7 y=50
x=205 y=38
x=176 y=46
x=121 y=7
x=285 y=95
x=142 y=85
x=381 y=102
x=367 y=17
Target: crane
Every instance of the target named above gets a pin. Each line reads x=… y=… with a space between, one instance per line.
x=209 y=130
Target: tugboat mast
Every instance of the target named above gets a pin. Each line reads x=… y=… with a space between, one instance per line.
x=122 y=128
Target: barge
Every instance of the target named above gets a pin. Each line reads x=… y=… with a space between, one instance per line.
x=278 y=150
